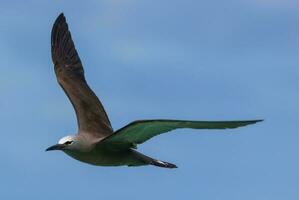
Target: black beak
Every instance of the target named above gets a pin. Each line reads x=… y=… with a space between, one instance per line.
x=56 y=147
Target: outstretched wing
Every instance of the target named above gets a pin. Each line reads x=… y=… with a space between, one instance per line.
x=91 y=116
x=140 y=131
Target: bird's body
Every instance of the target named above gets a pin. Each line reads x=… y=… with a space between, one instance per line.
x=96 y=143
x=100 y=154
x=104 y=157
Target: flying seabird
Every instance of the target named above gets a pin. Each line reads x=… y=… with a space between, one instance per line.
x=96 y=143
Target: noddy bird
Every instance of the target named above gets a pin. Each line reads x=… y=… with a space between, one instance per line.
x=96 y=143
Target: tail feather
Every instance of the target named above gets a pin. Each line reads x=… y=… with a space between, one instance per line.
x=151 y=161
x=160 y=163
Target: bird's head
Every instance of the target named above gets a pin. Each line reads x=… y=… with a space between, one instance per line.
x=66 y=143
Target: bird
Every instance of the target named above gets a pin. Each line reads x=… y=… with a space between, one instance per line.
x=96 y=142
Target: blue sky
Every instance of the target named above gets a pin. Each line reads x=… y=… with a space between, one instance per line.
x=199 y=60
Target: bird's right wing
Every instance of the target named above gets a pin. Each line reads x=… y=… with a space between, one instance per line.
x=140 y=131
x=91 y=116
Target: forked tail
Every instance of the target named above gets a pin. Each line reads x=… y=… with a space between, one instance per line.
x=152 y=161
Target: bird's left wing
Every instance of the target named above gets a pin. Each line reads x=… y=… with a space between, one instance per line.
x=140 y=131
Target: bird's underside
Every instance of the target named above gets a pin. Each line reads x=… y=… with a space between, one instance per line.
x=126 y=157
x=96 y=141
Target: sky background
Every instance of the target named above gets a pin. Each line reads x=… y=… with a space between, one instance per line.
x=197 y=60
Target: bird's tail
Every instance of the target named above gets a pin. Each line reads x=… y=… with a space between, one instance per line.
x=151 y=161
x=160 y=163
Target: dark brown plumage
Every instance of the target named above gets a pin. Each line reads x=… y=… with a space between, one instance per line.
x=91 y=115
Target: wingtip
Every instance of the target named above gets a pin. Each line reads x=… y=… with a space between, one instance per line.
x=60 y=18
x=254 y=121
x=60 y=23
x=61 y=15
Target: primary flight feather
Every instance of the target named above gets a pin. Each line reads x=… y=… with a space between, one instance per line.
x=96 y=143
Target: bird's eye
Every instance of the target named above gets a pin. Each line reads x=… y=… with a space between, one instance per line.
x=68 y=142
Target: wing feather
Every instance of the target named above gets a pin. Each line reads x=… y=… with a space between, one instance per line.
x=140 y=131
x=91 y=116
